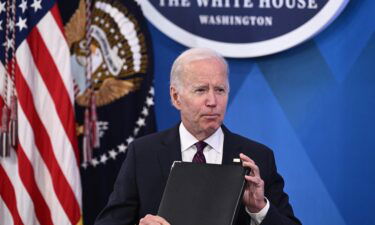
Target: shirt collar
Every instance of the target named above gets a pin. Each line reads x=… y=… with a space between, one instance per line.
x=215 y=141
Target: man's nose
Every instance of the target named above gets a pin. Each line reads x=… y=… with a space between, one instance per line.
x=211 y=99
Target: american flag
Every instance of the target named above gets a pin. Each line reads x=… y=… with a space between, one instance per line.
x=40 y=181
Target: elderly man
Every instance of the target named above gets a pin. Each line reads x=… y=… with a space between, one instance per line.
x=199 y=90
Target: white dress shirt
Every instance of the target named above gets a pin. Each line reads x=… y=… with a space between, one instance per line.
x=213 y=153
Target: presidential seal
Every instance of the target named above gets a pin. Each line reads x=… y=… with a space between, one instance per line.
x=117 y=52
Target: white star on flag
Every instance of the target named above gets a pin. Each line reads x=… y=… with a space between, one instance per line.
x=2 y=7
x=37 y=4
x=21 y=24
x=23 y=5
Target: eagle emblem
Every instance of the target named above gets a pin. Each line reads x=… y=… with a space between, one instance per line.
x=118 y=52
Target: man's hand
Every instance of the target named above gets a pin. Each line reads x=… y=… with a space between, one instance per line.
x=153 y=220
x=253 y=196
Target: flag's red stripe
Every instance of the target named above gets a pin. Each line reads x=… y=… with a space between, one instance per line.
x=28 y=176
x=61 y=186
x=9 y=196
x=55 y=85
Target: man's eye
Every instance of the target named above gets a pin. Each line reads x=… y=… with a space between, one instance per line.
x=220 y=90
x=199 y=90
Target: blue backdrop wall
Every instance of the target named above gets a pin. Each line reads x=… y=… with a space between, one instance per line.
x=314 y=105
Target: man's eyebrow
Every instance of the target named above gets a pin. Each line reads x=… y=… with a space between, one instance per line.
x=221 y=86
x=199 y=85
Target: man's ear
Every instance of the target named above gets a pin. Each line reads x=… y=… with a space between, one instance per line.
x=175 y=97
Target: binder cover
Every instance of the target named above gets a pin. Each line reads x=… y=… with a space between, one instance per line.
x=202 y=194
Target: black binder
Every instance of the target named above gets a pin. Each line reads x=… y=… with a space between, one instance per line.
x=202 y=194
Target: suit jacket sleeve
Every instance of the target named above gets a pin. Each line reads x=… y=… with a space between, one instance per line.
x=123 y=203
x=280 y=211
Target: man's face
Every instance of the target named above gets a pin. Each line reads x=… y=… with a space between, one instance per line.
x=202 y=100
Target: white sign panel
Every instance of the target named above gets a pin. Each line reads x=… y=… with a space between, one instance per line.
x=242 y=28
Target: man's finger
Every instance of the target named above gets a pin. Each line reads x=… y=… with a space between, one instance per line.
x=161 y=220
x=254 y=168
x=257 y=181
x=245 y=158
x=249 y=163
x=151 y=219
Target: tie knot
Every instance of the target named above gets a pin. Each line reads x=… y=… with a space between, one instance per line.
x=200 y=146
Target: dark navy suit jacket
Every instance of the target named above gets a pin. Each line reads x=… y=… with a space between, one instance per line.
x=141 y=180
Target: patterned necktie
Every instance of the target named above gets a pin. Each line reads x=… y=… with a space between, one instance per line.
x=199 y=156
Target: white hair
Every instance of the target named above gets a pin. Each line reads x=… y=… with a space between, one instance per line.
x=188 y=56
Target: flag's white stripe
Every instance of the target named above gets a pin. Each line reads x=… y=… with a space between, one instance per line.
x=2 y=74
x=5 y=216
x=61 y=145
x=24 y=203
x=58 y=47
x=43 y=177
x=2 y=83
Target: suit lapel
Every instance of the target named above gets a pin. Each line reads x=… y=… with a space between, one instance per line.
x=231 y=148
x=170 y=151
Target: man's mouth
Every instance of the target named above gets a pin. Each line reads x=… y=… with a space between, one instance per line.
x=211 y=116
